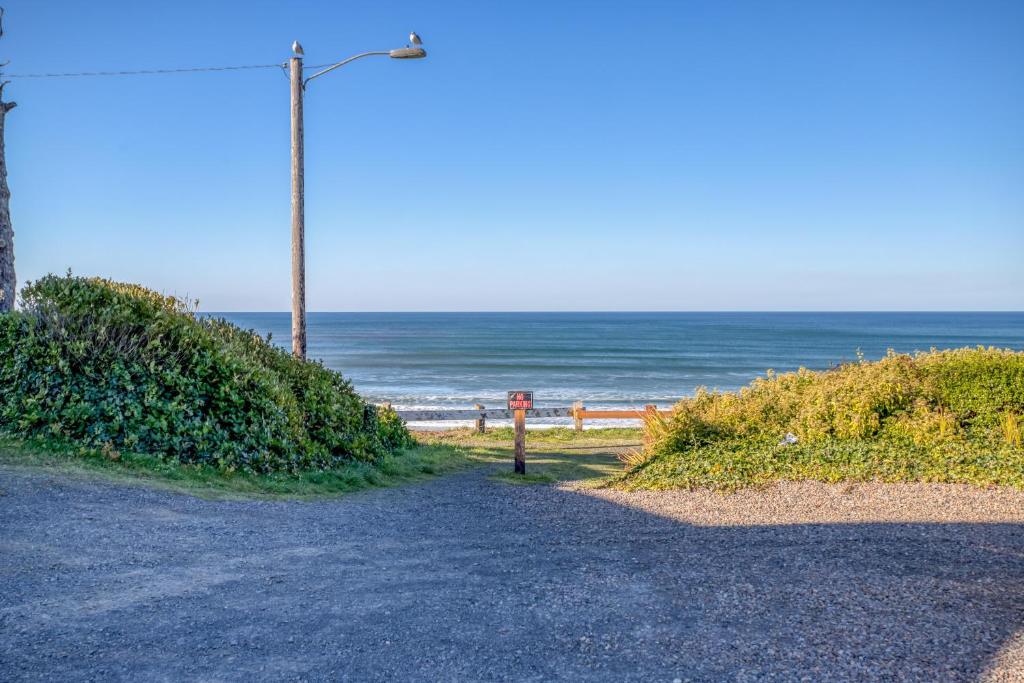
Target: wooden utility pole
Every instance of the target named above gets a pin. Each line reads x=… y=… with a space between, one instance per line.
x=298 y=214
x=299 y=83
x=8 y=281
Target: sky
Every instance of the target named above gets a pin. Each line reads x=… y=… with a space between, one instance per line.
x=676 y=155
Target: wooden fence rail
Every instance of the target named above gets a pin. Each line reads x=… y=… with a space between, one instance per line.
x=577 y=412
x=474 y=414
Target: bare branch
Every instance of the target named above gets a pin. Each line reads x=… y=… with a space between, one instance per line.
x=7 y=106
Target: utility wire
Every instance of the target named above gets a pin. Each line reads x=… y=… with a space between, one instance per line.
x=150 y=72
x=144 y=72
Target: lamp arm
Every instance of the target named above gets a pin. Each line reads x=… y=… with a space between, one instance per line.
x=343 y=62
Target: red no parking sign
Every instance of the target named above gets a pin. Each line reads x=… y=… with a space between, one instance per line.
x=520 y=400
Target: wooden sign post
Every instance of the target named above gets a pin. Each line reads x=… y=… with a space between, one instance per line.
x=520 y=462
x=519 y=402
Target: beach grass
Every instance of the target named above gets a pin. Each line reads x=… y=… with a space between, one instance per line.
x=61 y=458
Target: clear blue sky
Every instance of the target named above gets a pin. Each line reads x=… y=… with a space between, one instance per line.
x=674 y=155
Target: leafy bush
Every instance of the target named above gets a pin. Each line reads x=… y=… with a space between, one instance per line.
x=937 y=416
x=113 y=365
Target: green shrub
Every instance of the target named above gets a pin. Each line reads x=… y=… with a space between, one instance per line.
x=977 y=385
x=114 y=365
x=950 y=409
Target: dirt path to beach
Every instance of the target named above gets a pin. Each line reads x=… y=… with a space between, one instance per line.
x=467 y=578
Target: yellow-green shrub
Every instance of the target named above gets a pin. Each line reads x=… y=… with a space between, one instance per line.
x=940 y=393
x=940 y=402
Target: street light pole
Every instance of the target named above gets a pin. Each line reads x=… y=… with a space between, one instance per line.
x=298 y=214
x=298 y=87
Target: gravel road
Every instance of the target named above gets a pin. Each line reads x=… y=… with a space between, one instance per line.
x=464 y=578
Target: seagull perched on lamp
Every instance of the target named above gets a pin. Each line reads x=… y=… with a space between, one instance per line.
x=414 y=38
x=297 y=49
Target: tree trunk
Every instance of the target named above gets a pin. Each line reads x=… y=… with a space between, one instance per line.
x=7 y=277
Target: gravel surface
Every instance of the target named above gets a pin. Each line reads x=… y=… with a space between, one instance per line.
x=464 y=578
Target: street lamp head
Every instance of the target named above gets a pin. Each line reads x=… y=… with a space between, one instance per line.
x=408 y=53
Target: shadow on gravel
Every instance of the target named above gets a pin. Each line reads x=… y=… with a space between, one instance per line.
x=846 y=601
x=463 y=578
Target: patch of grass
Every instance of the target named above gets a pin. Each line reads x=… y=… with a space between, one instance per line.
x=588 y=458
x=1011 y=429
x=586 y=469
x=205 y=481
x=561 y=437
x=943 y=416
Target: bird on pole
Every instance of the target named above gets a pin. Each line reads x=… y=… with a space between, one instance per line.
x=414 y=38
x=297 y=49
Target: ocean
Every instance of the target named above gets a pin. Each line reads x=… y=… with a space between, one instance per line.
x=613 y=360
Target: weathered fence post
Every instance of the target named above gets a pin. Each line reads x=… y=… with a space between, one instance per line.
x=481 y=422
x=577 y=415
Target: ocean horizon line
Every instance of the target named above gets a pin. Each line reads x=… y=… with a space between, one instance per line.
x=640 y=312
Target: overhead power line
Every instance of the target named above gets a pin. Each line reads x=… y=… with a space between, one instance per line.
x=150 y=72
x=145 y=72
